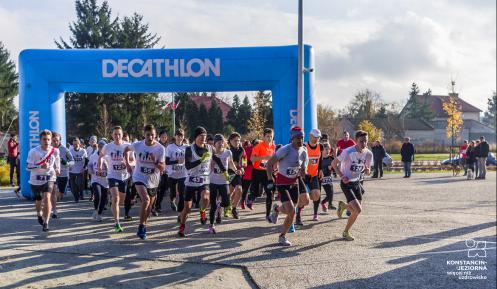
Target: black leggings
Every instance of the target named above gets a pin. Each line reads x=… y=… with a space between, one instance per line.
x=99 y=197
x=76 y=184
x=130 y=195
x=329 y=194
x=177 y=185
x=245 y=189
x=216 y=190
x=161 y=192
x=260 y=177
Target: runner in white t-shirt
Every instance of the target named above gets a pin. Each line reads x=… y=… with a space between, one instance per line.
x=117 y=173
x=176 y=171
x=99 y=182
x=354 y=162
x=66 y=161
x=76 y=171
x=44 y=164
x=150 y=164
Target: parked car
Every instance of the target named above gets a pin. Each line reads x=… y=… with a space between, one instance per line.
x=387 y=160
x=491 y=161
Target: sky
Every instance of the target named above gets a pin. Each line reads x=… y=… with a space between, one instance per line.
x=383 y=46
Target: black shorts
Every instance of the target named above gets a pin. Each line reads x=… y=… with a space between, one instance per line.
x=288 y=192
x=38 y=190
x=312 y=182
x=190 y=192
x=352 y=191
x=62 y=184
x=121 y=185
x=302 y=186
x=236 y=181
x=152 y=192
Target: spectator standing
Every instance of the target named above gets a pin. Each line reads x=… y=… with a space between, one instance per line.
x=482 y=154
x=345 y=142
x=378 y=154
x=13 y=148
x=463 y=155
x=407 y=152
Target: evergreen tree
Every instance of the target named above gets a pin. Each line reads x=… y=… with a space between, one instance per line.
x=415 y=109
x=215 y=118
x=8 y=90
x=203 y=117
x=489 y=116
x=133 y=33
x=232 y=117
x=244 y=114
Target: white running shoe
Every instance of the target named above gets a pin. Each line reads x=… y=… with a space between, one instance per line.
x=94 y=215
x=283 y=240
x=99 y=218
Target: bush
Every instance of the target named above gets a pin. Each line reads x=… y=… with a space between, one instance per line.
x=4 y=175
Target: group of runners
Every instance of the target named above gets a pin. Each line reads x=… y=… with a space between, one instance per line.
x=212 y=174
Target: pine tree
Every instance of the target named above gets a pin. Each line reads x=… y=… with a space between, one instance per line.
x=415 y=109
x=8 y=90
x=489 y=116
x=232 y=117
x=215 y=118
x=244 y=115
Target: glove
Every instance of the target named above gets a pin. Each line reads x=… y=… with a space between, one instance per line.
x=63 y=162
x=205 y=156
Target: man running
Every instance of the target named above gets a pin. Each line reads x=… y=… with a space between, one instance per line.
x=44 y=164
x=117 y=174
x=66 y=160
x=354 y=162
x=150 y=163
x=240 y=161
x=292 y=162
x=314 y=175
x=219 y=181
x=176 y=171
x=260 y=155
x=76 y=171
x=99 y=182
x=198 y=158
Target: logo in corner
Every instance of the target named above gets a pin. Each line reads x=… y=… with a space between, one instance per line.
x=476 y=248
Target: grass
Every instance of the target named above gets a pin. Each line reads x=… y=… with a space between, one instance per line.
x=424 y=157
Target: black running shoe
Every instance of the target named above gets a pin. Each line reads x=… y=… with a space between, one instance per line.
x=298 y=221
x=40 y=220
x=45 y=227
x=174 y=207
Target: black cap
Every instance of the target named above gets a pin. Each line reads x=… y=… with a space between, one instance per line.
x=199 y=130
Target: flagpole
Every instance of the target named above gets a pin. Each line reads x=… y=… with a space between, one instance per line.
x=174 y=116
x=300 y=77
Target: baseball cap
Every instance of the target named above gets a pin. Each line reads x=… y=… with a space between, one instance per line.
x=315 y=132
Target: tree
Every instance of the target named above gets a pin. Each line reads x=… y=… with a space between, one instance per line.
x=415 y=109
x=244 y=115
x=214 y=118
x=489 y=116
x=104 y=126
x=366 y=104
x=257 y=121
x=233 y=114
x=328 y=122
x=454 y=117
x=8 y=89
x=133 y=33
x=373 y=132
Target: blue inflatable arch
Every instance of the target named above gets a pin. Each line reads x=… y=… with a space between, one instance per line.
x=45 y=75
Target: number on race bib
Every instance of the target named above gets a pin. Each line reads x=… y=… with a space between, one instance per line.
x=217 y=171
x=292 y=171
x=177 y=167
x=147 y=171
x=196 y=180
x=119 y=167
x=313 y=161
x=327 y=181
x=356 y=168
x=264 y=165
x=42 y=178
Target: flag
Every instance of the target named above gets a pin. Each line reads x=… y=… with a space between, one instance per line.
x=175 y=106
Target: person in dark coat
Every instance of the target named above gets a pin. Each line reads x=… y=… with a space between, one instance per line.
x=471 y=159
x=378 y=154
x=407 y=153
x=482 y=154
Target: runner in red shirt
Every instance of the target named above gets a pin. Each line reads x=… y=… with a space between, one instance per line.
x=345 y=142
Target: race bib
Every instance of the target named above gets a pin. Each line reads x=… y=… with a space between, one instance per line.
x=217 y=171
x=326 y=181
x=263 y=164
x=42 y=178
x=292 y=171
x=196 y=180
x=177 y=167
x=313 y=161
x=147 y=171
x=119 y=167
x=204 y=168
x=101 y=174
x=356 y=168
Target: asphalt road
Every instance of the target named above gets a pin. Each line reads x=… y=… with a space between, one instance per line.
x=413 y=233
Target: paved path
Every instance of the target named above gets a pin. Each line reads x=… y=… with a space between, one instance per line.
x=411 y=234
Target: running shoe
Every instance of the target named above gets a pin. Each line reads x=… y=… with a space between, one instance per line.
x=54 y=215
x=118 y=228
x=218 y=213
x=341 y=208
x=99 y=218
x=324 y=208
x=315 y=218
x=154 y=213
x=273 y=217
x=128 y=218
x=347 y=236
x=40 y=220
x=250 y=205
x=203 y=217
x=181 y=232
x=212 y=229
x=234 y=212
x=142 y=233
x=291 y=229
x=242 y=205
x=45 y=227
x=174 y=207
x=331 y=207
x=227 y=212
x=94 y=215
x=283 y=241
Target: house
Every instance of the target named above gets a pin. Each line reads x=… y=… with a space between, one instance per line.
x=205 y=99
x=472 y=126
